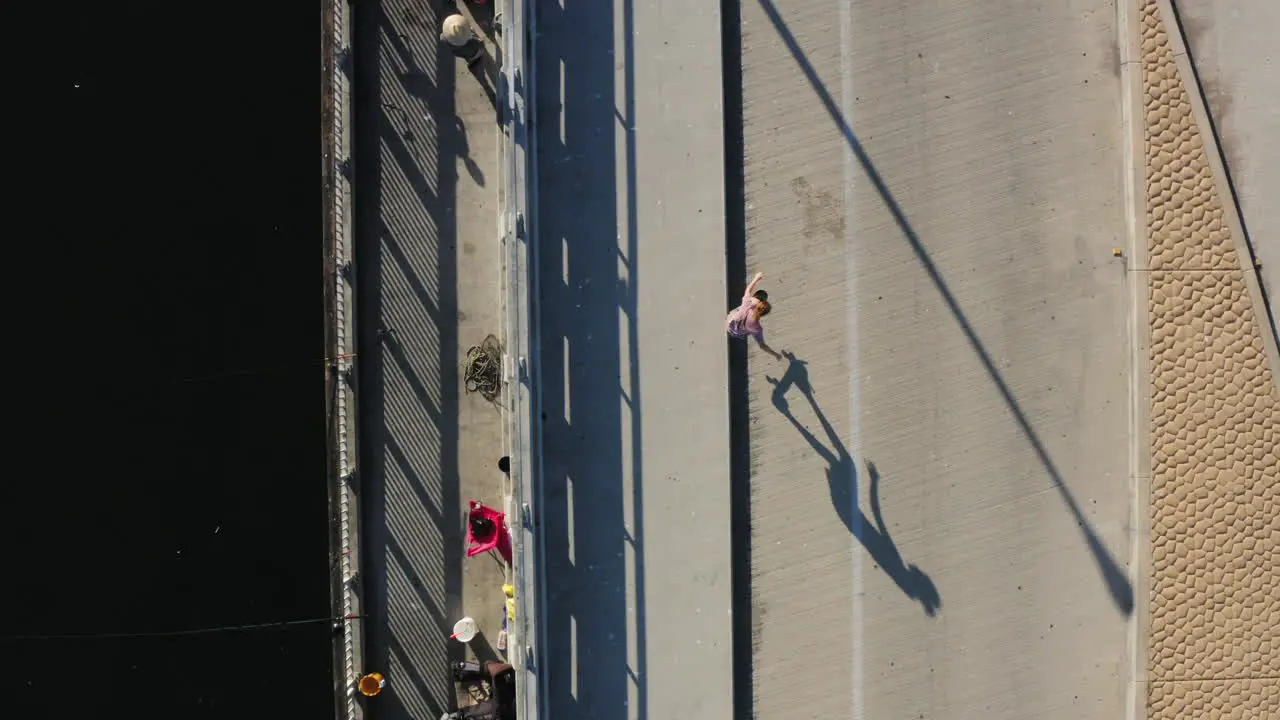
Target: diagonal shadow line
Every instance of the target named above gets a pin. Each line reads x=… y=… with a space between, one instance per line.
x=428 y=406
x=1117 y=584
x=404 y=625
x=402 y=261
x=429 y=604
x=403 y=46
x=421 y=138
x=425 y=501
x=421 y=576
x=425 y=692
x=404 y=157
x=394 y=38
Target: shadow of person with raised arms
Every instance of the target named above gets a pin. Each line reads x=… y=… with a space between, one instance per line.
x=841 y=480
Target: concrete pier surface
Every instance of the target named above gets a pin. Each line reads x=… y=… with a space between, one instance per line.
x=429 y=264
x=1018 y=459
x=941 y=507
x=634 y=509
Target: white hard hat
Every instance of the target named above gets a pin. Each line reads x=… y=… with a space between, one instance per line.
x=457 y=31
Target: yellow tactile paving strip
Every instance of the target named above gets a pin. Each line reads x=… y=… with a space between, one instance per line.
x=1215 y=477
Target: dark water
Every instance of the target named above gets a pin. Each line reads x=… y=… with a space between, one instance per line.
x=167 y=441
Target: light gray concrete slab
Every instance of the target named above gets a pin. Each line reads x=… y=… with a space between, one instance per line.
x=635 y=440
x=940 y=495
x=429 y=266
x=1233 y=47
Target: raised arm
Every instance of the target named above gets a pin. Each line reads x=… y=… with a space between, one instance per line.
x=765 y=347
x=751 y=287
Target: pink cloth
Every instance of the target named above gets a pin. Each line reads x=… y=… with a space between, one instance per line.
x=498 y=537
x=742 y=321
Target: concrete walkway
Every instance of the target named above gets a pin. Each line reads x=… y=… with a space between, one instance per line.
x=635 y=440
x=940 y=475
x=428 y=258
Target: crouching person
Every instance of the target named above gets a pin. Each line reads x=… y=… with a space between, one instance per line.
x=462 y=40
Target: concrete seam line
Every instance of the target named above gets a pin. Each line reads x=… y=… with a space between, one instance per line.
x=847 y=97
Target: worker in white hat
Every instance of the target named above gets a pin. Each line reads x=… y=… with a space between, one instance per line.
x=457 y=31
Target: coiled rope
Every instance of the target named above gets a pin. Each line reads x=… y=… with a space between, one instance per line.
x=482 y=371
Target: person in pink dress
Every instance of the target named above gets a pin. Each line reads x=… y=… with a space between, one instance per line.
x=744 y=320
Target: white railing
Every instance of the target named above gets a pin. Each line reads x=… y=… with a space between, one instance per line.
x=520 y=364
x=344 y=340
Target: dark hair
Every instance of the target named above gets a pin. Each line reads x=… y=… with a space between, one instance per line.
x=761 y=295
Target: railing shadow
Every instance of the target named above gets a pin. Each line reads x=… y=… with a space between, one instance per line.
x=629 y=304
x=1113 y=575
x=587 y=304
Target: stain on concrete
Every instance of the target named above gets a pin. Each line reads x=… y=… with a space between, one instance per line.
x=823 y=212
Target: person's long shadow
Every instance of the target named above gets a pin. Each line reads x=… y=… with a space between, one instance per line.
x=842 y=481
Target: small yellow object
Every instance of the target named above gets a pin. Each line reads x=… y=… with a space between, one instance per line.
x=372 y=684
x=1116 y=252
x=510 y=592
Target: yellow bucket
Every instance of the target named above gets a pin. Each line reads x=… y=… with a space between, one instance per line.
x=510 y=592
x=372 y=684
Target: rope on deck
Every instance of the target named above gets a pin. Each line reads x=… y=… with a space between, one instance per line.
x=482 y=372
